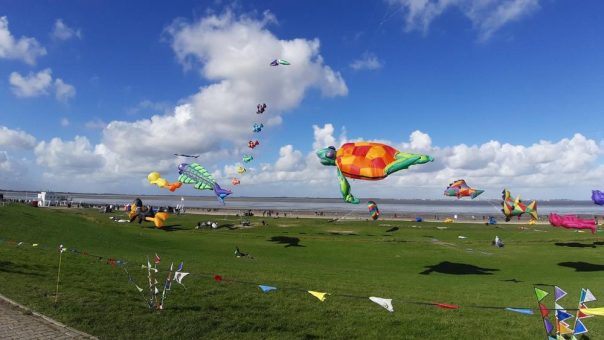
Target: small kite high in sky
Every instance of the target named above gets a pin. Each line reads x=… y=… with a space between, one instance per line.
x=241 y=170
x=514 y=207
x=572 y=222
x=460 y=189
x=235 y=181
x=367 y=161
x=201 y=179
x=598 y=197
x=260 y=108
x=258 y=127
x=184 y=155
x=278 y=62
x=247 y=158
x=253 y=144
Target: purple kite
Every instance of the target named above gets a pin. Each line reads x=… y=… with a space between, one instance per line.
x=572 y=222
x=598 y=197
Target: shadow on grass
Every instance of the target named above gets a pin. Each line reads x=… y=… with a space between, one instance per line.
x=174 y=227
x=9 y=267
x=511 y=280
x=392 y=229
x=579 y=245
x=583 y=266
x=288 y=241
x=457 y=269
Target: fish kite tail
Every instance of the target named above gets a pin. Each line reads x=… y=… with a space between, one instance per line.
x=175 y=186
x=221 y=193
x=532 y=209
x=476 y=193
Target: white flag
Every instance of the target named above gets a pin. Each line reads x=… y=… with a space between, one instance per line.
x=178 y=276
x=386 y=303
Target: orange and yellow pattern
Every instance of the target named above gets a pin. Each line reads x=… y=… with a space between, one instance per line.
x=364 y=160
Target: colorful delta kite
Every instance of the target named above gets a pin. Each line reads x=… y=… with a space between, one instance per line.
x=201 y=179
x=374 y=212
x=241 y=170
x=260 y=108
x=515 y=207
x=253 y=144
x=278 y=62
x=247 y=158
x=572 y=222
x=258 y=127
x=367 y=161
x=155 y=178
x=460 y=189
x=598 y=197
x=235 y=181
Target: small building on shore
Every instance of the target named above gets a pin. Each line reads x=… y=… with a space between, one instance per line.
x=47 y=199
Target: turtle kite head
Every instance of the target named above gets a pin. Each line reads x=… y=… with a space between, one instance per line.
x=327 y=155
x=182 y=167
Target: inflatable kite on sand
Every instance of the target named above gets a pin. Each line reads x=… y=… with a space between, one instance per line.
x=515 y=207
x=598 y=197
x=144 y=213
x=155 y=178
x=572 y=222
x=201 y=179
x=460 y=189
x=367 y=161
x=374 y=212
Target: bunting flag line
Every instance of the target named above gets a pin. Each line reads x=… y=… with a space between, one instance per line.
x=266 y=289
x=386 y=303
x=585 y=296
x=318 y=295
x=178 y=276
x=526 y=311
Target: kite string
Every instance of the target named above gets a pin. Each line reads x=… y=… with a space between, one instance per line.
x=58 y=275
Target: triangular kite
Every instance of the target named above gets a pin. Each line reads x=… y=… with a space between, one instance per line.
x=559 y=293
x=580 y=328
x=593 y=311
x=386 y=303
x=587 y=296
x=540 y=294
x=178 y=276
x=318 y=295
x=266 y=289
x=526 y=311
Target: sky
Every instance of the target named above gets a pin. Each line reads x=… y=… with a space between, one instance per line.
x=94 y=95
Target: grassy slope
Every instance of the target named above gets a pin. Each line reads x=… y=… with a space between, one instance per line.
x=98 y=299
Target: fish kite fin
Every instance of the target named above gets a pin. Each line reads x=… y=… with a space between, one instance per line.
x=221 y=193
x=476 y=193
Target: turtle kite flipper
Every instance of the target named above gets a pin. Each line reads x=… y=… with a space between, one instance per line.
x=405 y=160
x=345 y=189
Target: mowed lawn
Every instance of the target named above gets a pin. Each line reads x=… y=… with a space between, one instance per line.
x=408 y=262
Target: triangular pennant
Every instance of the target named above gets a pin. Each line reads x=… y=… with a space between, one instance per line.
x=156 y=290
x=386 y=303
x=544 y=310
x=526 y=311
x=587 y=297
x=565 y=329
x=178 y=276
x=593 y=311
x=562 y=315
x=548 y=326
x=446 y=306
x=559 y=293
x=580 y=328
x=580 y=314
x=540 y=294
x=318 y=295
x=180 y=266
x=266 y=289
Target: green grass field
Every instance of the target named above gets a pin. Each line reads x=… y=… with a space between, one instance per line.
x=360 y=258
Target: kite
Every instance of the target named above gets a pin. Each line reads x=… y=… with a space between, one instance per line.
x=278 y=62
x=572 y=222
x=253 y=144
x=183 y=155
x=367 y=161
x=460 y=189
x=155 y=178
x=247 y=158
x=598 y=197
x=258 y=127
x=241 y=170
x=515 y=207
x=373 y=210
x=158 y=218
x=260 y=108
x=201 y=179
x=235 y=181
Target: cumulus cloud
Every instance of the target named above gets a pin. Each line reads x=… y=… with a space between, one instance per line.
x=68 y=157
x=64 y=122
x=486 y=16
x=63 y=32
x=38 y=84
x=24 y=49
x=31 y=85
x=16 y=139
x=95 y=124
x=368 y=61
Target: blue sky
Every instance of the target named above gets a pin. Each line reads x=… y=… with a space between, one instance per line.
x=503 y=93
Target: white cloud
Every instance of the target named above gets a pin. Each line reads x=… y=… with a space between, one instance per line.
x=16 y=139
x=487 y=16
x=70 y=157
x=63 y=32
x=24 y=49
x=64 y=91
x=95 y=124
x=32 y=85
x=64 y=122
x=368 y=61
x=38 y=84
x=289 y=159
x=150 y=106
